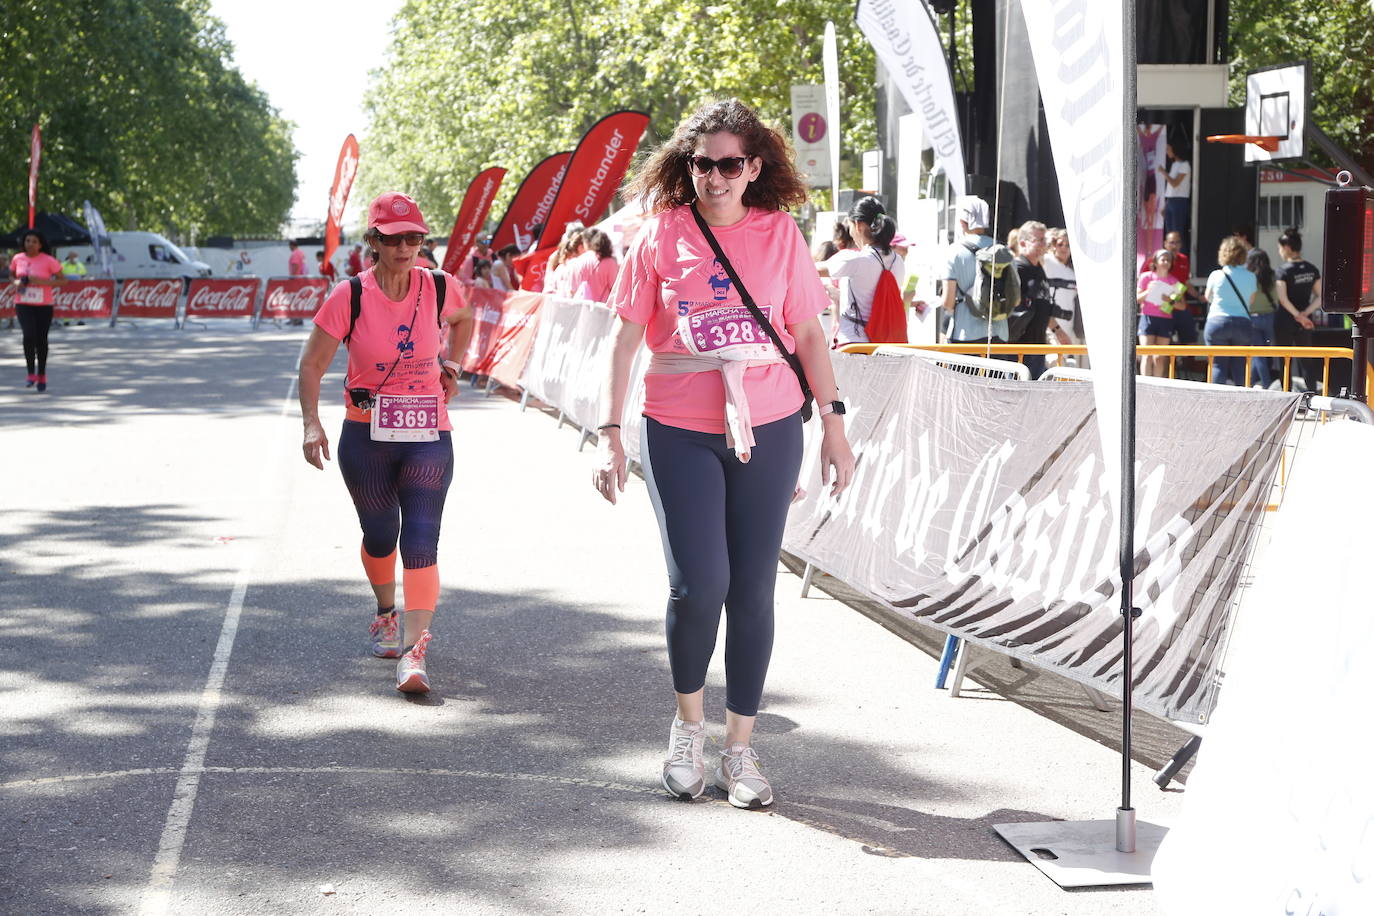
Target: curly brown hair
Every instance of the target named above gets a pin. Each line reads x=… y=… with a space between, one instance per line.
x=663 y=181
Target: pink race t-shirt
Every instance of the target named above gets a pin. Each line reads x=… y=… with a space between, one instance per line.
x=589 y=276
x=671 y=274
x=1150 y=305
x=295 y=265
x=38 y=267
x=390 y=332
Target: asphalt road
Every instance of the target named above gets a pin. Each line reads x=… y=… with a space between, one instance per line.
x=191 y=723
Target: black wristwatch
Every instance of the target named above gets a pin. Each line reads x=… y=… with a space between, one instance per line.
x=832 y=407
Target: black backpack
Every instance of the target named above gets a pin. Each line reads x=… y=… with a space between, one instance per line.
x=355 y=300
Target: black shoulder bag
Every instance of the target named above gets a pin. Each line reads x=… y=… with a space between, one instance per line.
x=792 y=359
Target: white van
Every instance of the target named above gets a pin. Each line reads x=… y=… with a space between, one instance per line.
x=141 y=254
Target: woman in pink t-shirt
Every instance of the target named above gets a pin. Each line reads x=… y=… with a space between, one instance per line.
x=722 y=437
x=396 y=449
x=592 y=273
x=36 y=274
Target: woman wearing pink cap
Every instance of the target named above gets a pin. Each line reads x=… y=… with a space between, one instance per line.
x=401 y=324
x=720 y=284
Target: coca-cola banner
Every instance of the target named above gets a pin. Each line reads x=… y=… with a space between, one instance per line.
x=594 y=173
x=7 y=300
x=144 y=298
x=83 y=299
x=222 y=298
x=471 y=216
x=345 y=170
x=294 y=297
x=531 y=203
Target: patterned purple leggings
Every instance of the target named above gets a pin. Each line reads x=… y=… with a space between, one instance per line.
x=398 y=489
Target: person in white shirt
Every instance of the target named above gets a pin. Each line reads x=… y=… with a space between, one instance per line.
x=858 y=271
x=1178 y=191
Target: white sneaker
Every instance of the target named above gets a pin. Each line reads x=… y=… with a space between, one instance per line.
x=684 y=772
x=740 y=778
x=410 y=670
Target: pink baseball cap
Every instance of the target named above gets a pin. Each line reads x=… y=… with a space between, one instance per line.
x=394 y=212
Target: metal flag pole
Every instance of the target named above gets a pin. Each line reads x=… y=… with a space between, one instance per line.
x=1125 y=815
x=1101 y=853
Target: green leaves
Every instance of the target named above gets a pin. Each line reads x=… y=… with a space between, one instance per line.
x=143 y=115
x=1336 y=37
x=507 y=82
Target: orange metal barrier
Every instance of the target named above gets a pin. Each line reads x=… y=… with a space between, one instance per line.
x=1210 y=354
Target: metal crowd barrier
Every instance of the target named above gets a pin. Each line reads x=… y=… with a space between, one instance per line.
x=1196 y=351
x=976 y=359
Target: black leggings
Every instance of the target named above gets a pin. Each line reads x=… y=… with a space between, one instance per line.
x=722 y=525
x=35 y=320
x=398 y=489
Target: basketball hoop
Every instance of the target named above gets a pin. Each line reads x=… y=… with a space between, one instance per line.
x=1268 y=144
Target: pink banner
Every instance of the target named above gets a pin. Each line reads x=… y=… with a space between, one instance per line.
x=488 y=309
x=141 y=298
x=506 y=359
x=221 y=298
x=294 y=297
x=83 y=299
x=345 y=170
x=35 y=156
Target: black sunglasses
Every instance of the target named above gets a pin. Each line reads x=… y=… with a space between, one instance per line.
x=410 y=238
x=729 y=167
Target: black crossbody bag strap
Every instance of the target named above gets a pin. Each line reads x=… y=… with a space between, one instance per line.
x=792 y=359
x=1236 y=289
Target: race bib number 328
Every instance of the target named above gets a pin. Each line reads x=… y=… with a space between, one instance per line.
x=728 y=332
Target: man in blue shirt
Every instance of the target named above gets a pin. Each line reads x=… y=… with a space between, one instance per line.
x=962 y=271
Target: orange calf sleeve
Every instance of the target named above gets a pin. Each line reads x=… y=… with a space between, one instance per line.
x=380 y=570
x=422 y=588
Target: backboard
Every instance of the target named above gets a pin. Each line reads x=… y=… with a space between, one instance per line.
x=1276 y=105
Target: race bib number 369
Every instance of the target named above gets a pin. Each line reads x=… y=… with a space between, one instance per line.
x=405 y=418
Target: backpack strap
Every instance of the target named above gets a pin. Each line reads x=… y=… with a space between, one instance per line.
x=355 y=305
x=355 y=300
x=440 y=291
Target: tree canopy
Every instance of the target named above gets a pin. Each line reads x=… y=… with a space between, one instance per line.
x=507 y=82
x=1336 y=37
x=142 y=114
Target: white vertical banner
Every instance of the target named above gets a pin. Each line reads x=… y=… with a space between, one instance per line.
x=904 y=35
x=831 y=61
x=811 y=135
x=1078 y=62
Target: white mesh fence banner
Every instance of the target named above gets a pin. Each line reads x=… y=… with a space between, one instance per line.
x=983 y=507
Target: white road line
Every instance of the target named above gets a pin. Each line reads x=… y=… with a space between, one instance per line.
x=157 y=895
x=388 y=772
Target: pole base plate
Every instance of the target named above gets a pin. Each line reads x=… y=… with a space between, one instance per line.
x=1083 y=853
